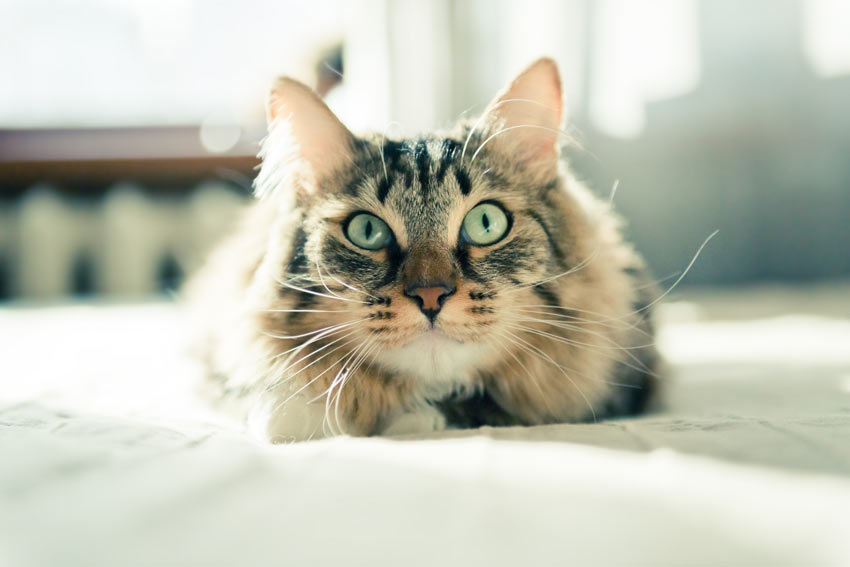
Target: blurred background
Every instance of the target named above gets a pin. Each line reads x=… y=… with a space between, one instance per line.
x=129 y=128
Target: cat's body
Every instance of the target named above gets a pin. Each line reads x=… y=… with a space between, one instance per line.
x=383 y=286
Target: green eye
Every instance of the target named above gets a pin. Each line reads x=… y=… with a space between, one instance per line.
x=485 y=224
x=369 y=232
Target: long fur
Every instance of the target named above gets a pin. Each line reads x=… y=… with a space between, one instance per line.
x=309 y=335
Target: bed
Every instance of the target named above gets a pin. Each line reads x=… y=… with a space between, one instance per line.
x=108 y=457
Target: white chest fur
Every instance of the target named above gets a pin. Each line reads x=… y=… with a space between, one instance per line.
x=439 y=364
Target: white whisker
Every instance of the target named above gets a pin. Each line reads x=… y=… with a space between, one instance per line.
x=574 y=371
x=528 y=373
x=322 y=280
x=508 y=129
x=310 y=382
x=289 y=365
x=582 y=329
x=299 y=347
x=289 y=377
x=302 y=335
x=587 y=346
x=302 y=311
x=613 y=192
x=302 y=290
x=518 y=287
x=484 y=117
x=349 y=286
x=367 y=351
x=559 y=367
x=579 y=324
x=682 y=276
x=383 y=142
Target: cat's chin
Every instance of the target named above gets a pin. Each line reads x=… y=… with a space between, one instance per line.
x=437 y=337
x=440 y=362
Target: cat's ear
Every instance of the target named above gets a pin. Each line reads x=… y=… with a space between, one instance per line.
x=524 y=119
x=306 y=131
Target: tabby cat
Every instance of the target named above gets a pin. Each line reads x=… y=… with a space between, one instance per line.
x=382 y=286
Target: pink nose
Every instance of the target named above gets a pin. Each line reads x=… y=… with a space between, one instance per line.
x=430 y=297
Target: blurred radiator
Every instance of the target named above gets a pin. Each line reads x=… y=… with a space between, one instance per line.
x=125 y=242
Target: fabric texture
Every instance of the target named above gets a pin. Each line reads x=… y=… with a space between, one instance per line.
x=108 y=456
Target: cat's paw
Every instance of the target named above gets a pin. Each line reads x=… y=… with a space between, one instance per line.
x=424 y=420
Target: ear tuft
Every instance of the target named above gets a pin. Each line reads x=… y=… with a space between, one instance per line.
x=525 y=118
x=303 y=129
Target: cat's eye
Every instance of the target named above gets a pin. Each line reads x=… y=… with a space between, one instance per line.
x=485 y=224
x=368 y=231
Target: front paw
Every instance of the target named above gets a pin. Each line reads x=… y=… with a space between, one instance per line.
x=423 y=420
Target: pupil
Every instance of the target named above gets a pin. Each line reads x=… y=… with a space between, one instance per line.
x=368 y=230
x=485 y=221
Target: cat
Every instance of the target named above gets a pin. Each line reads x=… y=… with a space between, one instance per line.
x=397 y=286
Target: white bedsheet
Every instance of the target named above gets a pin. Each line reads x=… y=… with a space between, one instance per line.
x=106 y=458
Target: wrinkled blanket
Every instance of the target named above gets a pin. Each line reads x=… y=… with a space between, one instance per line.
x=107 y=457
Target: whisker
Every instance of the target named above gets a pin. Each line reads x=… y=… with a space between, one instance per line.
x=302 y=311
x=365 y=353
x=592 y=348
x=613 y=192
x=342 y=371
x=302 y=290
x=290 y=337
x=578 y=328
x=483 y=117
x=607 y=320
x=561 y=368
x=289 y=365
x=527 y=371
x=340 y=377
x=682 y=276
x=383 y=142
x=310 y=382
x=299 y=347
x=283 y=379
x=322 y=280
x=644 y=308
x=332 y=70
x=574 y=371
x=518 y=287
x=349 y=286
x=508 y=129
x=619 y=325
x=658 y=281
x=670 y=289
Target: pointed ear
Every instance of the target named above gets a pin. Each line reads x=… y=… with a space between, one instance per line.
x=525 y=118
x=305 y=131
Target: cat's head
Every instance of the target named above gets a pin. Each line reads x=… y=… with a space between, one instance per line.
x=434 y=247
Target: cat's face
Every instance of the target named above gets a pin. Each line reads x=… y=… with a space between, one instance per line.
x=435 y=247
